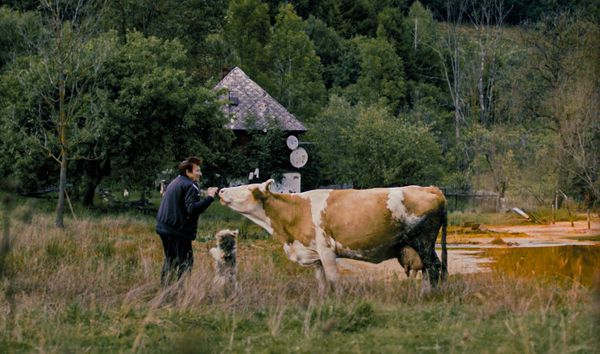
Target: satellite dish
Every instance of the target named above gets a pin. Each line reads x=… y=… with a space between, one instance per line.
x=299 y=157
x=292 y=142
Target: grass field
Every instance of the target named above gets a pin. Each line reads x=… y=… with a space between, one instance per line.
x=94 y=287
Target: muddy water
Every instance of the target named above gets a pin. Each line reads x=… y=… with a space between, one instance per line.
x=563 y=264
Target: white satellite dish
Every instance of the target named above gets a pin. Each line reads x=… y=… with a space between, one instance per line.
x=299 y=157
x=292 y=142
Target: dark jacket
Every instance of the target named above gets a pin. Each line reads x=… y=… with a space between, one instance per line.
x=180 y=208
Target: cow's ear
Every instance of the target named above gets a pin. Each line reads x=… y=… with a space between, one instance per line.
x=265 y=186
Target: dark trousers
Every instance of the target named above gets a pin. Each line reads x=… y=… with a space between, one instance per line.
x=179 y=258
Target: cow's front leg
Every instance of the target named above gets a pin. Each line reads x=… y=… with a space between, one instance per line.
x=321 y=279
x=328 y=257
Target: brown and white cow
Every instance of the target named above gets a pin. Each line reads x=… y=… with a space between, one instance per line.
x=372 y=225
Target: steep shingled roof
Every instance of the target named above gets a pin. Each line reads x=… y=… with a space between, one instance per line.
x=253 y=101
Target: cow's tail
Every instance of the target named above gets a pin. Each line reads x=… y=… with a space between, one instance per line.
x=444 y=249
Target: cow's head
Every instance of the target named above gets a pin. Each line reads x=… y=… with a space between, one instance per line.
x=245 y=198
x=248 y=201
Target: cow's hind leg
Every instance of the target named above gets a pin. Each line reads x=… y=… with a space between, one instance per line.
x=423 y=241
x=431 y=263
x=435 y=269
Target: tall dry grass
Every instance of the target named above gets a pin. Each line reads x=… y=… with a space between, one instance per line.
x=95 y=287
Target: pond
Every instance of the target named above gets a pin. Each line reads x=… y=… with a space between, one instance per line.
x=563 y=263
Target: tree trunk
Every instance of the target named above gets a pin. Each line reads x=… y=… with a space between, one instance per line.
x=62 y=139
x=62 y=184
x=501 y=192
x=456 y=122
x=416 y=28
x=481 y=72
x=94 y=171
x=90 y=192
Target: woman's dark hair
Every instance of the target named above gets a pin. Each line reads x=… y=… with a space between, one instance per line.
x=188 y=164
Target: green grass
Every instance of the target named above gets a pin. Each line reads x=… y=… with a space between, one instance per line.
x=94 y=288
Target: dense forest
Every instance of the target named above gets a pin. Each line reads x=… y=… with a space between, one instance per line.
x=491 y=95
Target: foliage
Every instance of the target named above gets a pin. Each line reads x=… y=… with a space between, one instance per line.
x=143 y=93
x=53 y=106
x=489 y=102
x=329 y=47
x=12 y=24
x=529 y=11
x=565 y=49
x=419 y=33
x=247 y=31
x=265 y=149
x=295 y=72
x=147 y=93
x=381 y=75
x=386 y=150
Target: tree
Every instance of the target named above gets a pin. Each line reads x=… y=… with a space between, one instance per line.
x=495 y=156
x=247 y=31
x=579 y=138
x=13 y=25
x=328 y=47
x=266 y=150
x=564 y=52
x=147 y=115
x=576 y=105
x=327 y=11
x=421 y=62
x=154 y=115
x=359 y=17
x=54 y=106
x=295 y=73
x=189 y=21
x=381 y=75
x=331 y=146
x=451 y=53
x=366 y=146
x=390 y=26
x=487 y=16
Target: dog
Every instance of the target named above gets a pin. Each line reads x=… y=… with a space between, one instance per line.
x=224 y=254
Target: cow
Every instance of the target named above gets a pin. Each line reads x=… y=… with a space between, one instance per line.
x=318 y=226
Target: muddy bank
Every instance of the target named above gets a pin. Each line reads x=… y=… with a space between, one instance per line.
x=508 y=249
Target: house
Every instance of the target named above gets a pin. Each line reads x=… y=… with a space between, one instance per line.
x=251 y=108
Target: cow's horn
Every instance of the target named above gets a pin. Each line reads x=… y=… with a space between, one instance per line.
x=264 y=187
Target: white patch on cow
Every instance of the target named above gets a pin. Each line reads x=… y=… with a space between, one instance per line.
x=301 y=254
x=325 y=250
x=318 y=203
x=395 y=204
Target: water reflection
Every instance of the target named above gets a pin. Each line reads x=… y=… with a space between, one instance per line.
x=564 y=263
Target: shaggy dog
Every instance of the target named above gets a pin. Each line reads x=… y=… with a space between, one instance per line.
x=225 y=259
x=409 y=259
